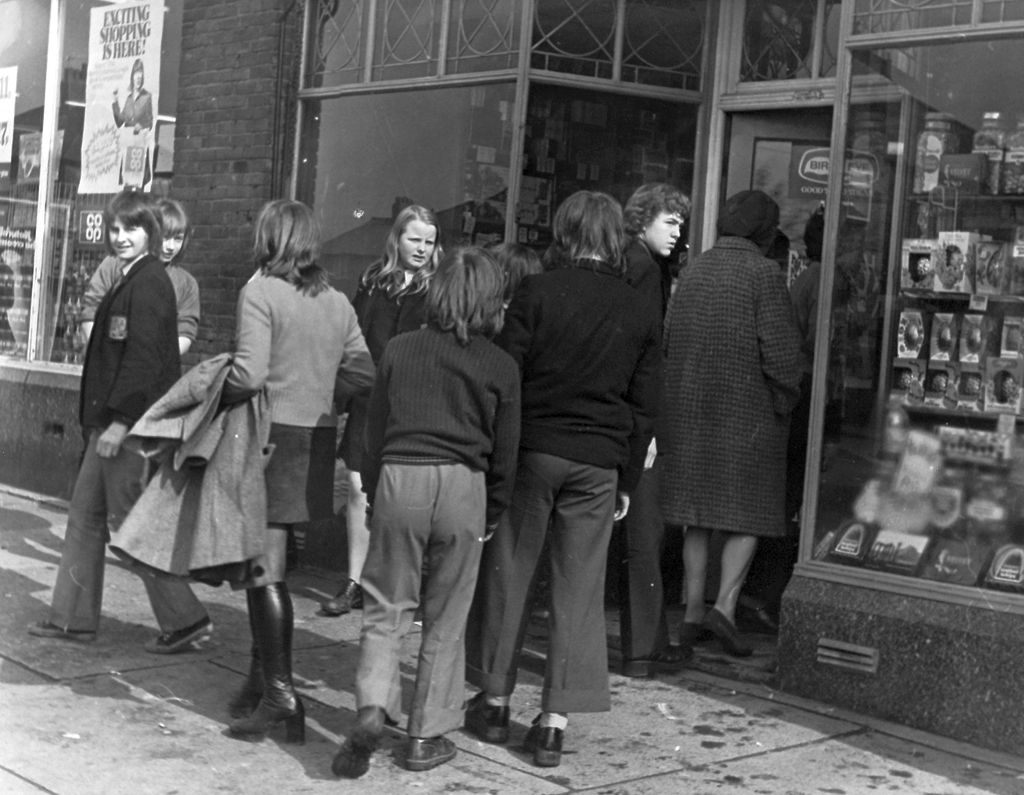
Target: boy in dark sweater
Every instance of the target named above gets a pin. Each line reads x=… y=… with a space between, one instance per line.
x=441 y=438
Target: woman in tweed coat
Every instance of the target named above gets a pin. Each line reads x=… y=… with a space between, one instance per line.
x=732 y=377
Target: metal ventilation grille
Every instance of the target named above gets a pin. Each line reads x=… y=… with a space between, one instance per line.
x=848 y=655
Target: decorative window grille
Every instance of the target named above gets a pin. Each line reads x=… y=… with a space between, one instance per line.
x=886 y=16
x=789 y=39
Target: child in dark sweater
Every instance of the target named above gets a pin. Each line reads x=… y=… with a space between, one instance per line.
x=441 y=439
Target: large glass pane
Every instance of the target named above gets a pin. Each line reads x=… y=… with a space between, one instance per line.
x=365 y=157
x=406 y=44
x=923 y=471
x=22 y=79
x=590 y=140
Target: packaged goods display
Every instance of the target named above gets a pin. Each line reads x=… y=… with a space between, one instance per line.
x=943 y=512
x=1003 y=376
x=910 y=342
x=936 y=139
x=953 y=261
x=990 y=142
x=1012 y=336
x=940 y=385
x=991 y=272
x=1013 y=166
x=916 y=271
x=974 y=338
x=943 y=337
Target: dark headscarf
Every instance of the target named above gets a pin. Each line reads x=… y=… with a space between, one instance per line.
x=752 y=214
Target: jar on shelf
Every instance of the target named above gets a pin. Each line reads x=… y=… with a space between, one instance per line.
x=1013 y=166
x=936 y=139
x=990 y=141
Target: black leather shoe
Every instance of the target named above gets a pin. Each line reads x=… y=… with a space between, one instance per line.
x=670 y=658
x=545 y=743
x=425 y=753
x=757 y=619
x=691 y=633
x=486 y=721
x=727 y=634
x=349 y=598
x=353 y=758
x=181 y=639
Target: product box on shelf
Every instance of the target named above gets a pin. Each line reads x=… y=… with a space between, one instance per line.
x=944 y=337
x=852 y=542
x=908 y=380
x=1012 y=340
x=975 y=345
x=1003 y=377
x=916 y=270
x=953 y=262
x=940 y=385
x=991 y=268
x=957 y=560
x=969 y=391
x=966 y=174
x=1017 y=261
x=897 y=552
x=910 y=334
x=1006 y=571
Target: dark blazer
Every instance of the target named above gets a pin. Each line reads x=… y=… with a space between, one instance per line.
x=649 y=275
x=132 y=356
x=589 y=353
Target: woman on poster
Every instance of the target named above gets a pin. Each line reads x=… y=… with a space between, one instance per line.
x=134 y=118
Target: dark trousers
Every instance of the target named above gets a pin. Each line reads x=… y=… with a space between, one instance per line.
x=641 y=597
x=569 y=505
x=104 y=493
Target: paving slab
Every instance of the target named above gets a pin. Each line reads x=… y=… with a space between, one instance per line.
x=863 y=763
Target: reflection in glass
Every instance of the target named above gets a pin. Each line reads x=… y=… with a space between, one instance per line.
x=365 y=157
x=778 y=37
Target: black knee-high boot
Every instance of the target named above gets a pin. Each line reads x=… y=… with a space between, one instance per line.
x=272 y=621
x=246 y=699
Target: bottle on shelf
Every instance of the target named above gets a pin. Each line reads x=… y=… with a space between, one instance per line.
x=990 y=141
x=1013 y=166
x=936 y=139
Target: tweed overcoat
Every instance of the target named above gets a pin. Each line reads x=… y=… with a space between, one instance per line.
x=731 y=379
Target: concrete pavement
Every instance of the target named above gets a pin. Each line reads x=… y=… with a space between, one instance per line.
x=109 y=718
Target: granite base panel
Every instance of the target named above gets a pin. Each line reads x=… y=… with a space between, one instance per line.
x=948 y=669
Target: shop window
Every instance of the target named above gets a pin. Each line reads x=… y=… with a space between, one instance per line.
x=589 y=140
x=364 y=157
x=662 y=40
x=922 y=469
x=408 y=37
x=887 y=16
x=51 y=235
x=789 y=39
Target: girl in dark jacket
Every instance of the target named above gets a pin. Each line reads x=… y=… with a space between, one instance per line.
x=391 y=299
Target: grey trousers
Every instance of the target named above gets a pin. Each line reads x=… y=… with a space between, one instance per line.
x=105 y=490
x=570 y=505
x=425 y=518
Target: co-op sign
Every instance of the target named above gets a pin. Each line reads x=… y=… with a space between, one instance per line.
x=809 y=169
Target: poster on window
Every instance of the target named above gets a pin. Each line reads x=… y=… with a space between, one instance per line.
x=121 y=96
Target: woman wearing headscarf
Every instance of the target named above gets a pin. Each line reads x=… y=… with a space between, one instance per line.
x=731 y=379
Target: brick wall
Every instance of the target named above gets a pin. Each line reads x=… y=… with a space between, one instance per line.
x=235 y=111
